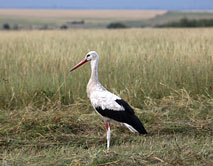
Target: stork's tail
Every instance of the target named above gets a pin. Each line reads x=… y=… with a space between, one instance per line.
x=135 y=125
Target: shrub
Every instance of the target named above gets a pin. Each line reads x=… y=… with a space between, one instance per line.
x=6 y=26
x=116 y=25
x=64 y=27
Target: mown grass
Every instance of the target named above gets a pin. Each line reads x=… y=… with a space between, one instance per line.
x=179 y=134
x=166 y=75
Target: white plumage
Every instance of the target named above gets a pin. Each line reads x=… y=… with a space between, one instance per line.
x=109 y=106
x=105 y=100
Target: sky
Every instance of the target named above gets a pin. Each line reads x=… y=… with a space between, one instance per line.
x=110 y=4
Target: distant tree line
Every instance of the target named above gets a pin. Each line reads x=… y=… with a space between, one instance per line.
x=7 y=26
x=184 y=22
x=76 y=22
x=67 y=25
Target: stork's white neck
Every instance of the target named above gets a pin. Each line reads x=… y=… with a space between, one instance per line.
x=94 y=71
x=94 y=84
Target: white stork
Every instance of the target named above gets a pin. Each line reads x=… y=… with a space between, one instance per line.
x=111 y=107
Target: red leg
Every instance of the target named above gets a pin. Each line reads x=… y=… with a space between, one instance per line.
x=106 y=126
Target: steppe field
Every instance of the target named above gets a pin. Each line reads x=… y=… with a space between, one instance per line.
x=19 y=19
x=166 y=75
x=54 y=19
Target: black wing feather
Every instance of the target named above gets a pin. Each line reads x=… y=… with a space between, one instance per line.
x=126 y=106
x=124 y=116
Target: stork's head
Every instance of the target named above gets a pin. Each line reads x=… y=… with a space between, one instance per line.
x=90 y=56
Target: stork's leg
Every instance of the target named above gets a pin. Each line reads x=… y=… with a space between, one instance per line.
x=108 y=135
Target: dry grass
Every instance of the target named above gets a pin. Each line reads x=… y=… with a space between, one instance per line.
x=179 y=134
x=153 y=63
x=119 y=14
x=166 y=75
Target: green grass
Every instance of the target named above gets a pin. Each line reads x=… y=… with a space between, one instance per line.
x=165 y=74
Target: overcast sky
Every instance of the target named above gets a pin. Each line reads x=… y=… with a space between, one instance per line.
x=110 y=4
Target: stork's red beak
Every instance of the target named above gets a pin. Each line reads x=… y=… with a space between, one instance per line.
x=79 y=64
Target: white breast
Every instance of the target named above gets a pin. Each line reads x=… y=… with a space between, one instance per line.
x=105 y=100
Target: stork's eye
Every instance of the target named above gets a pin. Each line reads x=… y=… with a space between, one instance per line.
x=88 y=55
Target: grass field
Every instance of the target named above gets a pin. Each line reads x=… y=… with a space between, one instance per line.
x=166 y=75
